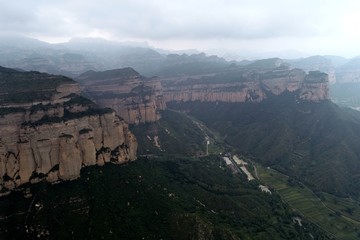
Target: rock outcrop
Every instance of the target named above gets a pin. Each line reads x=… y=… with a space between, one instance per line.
x=53 y=136
x=247 y=85
x=315 y=87
x=135 y=98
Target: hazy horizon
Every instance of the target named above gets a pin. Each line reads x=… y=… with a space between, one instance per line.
x=301 y=28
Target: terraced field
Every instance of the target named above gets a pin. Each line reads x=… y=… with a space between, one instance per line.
x=333 y=218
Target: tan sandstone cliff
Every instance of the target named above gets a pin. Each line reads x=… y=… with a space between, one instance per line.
x=135 y=98
x=53 y=137
x=247 y=86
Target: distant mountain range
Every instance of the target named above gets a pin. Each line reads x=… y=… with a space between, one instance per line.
x=83 y=54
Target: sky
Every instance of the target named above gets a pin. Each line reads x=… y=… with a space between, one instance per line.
x=310 y=27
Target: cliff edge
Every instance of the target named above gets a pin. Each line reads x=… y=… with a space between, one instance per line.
x=135 y=98
x=247 y=85
x=48 y=131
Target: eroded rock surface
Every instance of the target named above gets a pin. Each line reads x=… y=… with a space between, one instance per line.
x=247 y=85
x=52 y=137
x=135 y=98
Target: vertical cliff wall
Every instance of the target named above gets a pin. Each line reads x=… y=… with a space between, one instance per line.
x=135 y=98
x=247 y=85
x=53 y=136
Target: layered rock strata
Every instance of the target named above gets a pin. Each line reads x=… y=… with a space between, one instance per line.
x=247 y=86
x=51 y=138
x=135 y=98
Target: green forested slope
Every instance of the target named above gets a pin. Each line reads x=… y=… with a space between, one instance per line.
x=318 y=143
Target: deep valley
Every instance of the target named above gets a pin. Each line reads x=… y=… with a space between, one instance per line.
x=114 y=142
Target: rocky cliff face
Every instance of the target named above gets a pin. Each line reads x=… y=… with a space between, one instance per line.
x=315 y=87
x=135 y=98
x=52 y=137
x=138 y=99
x=247 y=86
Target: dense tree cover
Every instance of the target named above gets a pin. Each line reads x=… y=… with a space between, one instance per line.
x=168 y=198
x=317 y=143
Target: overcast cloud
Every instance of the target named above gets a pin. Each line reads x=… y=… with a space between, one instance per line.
x=314 y=27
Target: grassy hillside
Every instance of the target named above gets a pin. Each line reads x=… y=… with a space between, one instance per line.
x=184 y=64
x=20 y=87
x=339 y=217
x=110 y=76
x=317 y=143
